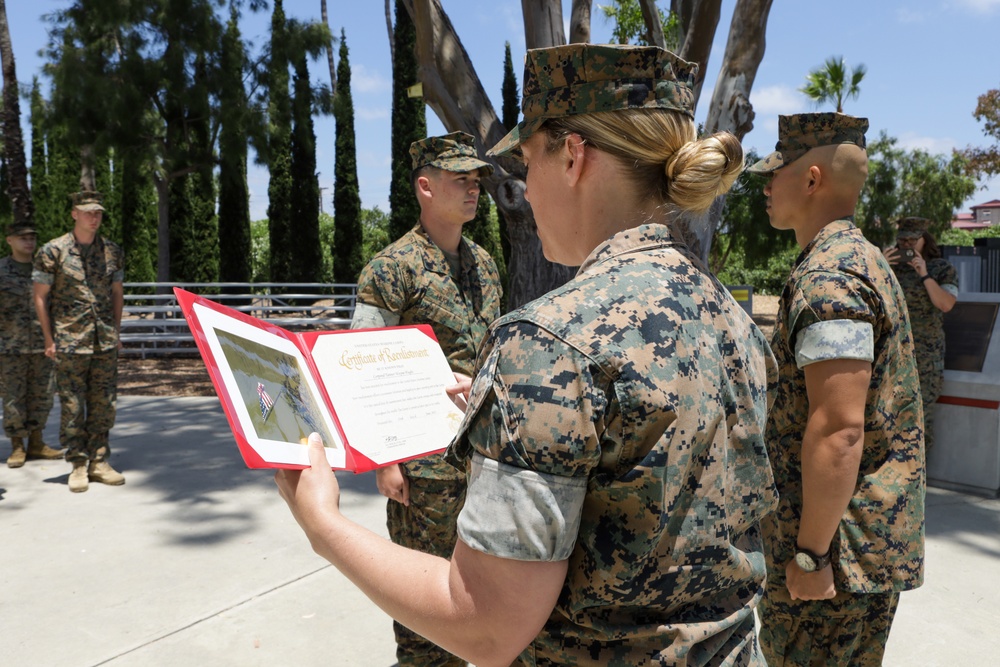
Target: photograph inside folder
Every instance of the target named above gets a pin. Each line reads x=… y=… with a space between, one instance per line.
x=376 y=396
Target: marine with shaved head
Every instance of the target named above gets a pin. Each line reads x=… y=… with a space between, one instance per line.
x=844 y=434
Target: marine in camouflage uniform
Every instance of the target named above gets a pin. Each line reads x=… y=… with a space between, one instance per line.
x=27 y=377
x=413 y=281
x=926 y=319
x=78 y=293
x=617 y=422
x=841 y=302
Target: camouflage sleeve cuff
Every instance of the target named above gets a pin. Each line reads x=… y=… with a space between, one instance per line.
x=835 y=339
x=118 y=276
x=520 y=514
x=373 y=317
x=44 y=278
x=951 y=289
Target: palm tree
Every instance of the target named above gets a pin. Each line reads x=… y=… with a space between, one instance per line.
x=829 y=83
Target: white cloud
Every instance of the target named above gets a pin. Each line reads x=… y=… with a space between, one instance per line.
x=933 y=145
x=776 y=100
x=366 y=80
x=980 y=6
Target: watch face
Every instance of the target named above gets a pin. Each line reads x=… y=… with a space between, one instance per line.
x=805 y=561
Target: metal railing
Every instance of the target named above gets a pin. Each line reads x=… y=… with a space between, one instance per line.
x=152 y=322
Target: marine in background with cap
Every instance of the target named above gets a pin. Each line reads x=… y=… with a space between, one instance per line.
x=79 y=300
x=614 y=430
x=27 y=376
x=930 y=284
x=845 y=431
x=432 y=275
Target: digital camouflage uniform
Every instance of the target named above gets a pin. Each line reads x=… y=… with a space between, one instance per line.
x=618 y=421
x=27 y=377
x=83 y=326
x=927 y=322
x=878 y=548
x=412 y=280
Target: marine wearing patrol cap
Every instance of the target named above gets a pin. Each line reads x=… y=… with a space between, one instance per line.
x=87 y=200
x=452 y=152
x=800 y=133
x=912 y=228
x=584 y=78
x=20 y=229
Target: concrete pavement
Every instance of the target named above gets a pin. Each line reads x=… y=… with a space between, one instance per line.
x=196 y=561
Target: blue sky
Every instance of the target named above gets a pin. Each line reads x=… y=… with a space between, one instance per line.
x=927 y=60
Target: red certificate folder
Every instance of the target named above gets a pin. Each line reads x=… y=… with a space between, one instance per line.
x=376 y=396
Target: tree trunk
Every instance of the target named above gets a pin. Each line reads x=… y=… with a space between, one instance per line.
x=699 y=20
x=543 y=23
x=453 y=90
x=17 y=164
x=87 y=178
x=652 y=19
x=579 y=21
x=162 y=228
x=329 y=46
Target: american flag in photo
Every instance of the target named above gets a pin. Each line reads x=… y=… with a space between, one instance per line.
x=265 y=401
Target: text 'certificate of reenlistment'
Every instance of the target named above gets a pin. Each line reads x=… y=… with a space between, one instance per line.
x=388 y=389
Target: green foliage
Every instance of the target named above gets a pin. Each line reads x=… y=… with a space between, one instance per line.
x=766 y=277
x=630 y=25
x=484 y=230
x=375 y=225
x=909 y=183
x=280 y=187
x=234 y=197
x=137 y=209
x=305 y=184
x=985 y=162
x=409 y=124
x=260 y=251
x=830 y=83
x=508 y=92
x=348 y=237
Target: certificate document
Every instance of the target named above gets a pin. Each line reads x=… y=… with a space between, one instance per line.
x=376 y=396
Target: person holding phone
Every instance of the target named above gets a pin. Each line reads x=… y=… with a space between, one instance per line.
x=930 y=284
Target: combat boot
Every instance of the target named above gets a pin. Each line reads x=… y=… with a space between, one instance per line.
x=101 y=471
x=16 y=458
x=78 y=477
x=39 y=450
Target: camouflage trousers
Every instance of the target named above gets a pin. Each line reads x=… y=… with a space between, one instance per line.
x=88 y=392
x=27 y=385
x=429 y=524
x=847 y=630
x=931 y=385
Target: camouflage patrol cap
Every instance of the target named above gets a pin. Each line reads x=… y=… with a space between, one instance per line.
x=20 y=229
x=87 y=200
x=452 y=152
x=583 y=78
x=801 y=132
x=912 y=228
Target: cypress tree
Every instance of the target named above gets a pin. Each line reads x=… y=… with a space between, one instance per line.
x=485 y=232
x=308 y=266
x=45 y=222
x=137 y=208
x=234 y=196
x=409 y=124
x=509 y=112
x=279 y=188
x=348 y=239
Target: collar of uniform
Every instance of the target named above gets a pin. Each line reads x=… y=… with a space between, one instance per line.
x=434 y=259
x=831 y=229
x=643 y=237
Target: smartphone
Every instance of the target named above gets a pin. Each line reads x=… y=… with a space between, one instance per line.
x=907 y=254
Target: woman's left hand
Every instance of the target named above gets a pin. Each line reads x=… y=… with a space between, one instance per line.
x=919 y=265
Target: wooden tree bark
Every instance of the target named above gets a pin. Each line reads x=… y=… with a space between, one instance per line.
x=699 y=20
x=543 y=23
x=453 y=90
x=388 y=26
x=17 y=163
x=652 y=19
x=579 y=21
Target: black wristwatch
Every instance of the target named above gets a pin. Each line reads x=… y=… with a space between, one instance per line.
x=810 y=562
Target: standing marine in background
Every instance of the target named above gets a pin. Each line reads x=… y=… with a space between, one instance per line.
x=79 y=300
x=433 y=275
x=27 y=377
x=930 y=284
